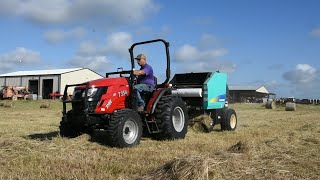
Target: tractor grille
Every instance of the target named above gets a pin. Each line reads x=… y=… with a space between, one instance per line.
x=93 y=100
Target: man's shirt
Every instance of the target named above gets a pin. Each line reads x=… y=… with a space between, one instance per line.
x=148 y=77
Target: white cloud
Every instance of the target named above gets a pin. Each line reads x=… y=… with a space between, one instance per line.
x=88 y=48
x=315 y=32
x=55 y=36
x=119 y=43
x=214 y=53
x=302 y=74
x=93 y=54
x=187 y=53
x=305 y=68
x=17 y=58
x=304 y=79
x=96 y=63
x=21 y=56
x=211 y=66
x=80 y=11
x=190 y=58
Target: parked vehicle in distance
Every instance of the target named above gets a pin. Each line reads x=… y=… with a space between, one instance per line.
x=14 y=92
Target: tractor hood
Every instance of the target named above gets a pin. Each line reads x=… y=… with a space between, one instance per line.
x=103 y=82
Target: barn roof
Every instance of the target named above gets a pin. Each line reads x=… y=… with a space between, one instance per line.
x=260 y=89
x=40 y=72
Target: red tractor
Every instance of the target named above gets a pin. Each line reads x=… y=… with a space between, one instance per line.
x=111 y=104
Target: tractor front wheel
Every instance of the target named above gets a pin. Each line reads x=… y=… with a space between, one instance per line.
x=68 y=128
x=125 y=129
x=172 y=113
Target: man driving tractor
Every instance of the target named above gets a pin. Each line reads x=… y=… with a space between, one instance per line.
x=145 y=81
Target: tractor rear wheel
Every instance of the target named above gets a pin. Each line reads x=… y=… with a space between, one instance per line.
x=68 y=129
x=125 y=129
x=229 y=121
x=172 y=113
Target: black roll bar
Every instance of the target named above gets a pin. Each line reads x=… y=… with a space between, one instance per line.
x=167 y=44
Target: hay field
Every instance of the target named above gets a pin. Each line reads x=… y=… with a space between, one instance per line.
x=268 y=144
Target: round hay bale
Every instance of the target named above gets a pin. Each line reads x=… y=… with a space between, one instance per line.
x=1 y=103
x=45 y=105
x=271 y=105
x=291 y=106
x=202 y=123
x=8 y=105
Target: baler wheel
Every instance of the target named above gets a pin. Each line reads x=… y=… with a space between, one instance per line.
x=230 y=120
x=172 y=112
x=125 y=129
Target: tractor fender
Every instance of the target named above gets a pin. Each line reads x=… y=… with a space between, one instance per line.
x=156 y=96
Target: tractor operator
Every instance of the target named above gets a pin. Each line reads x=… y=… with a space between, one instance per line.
x=145 y=81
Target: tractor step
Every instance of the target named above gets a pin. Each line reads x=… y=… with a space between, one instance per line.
x=152 y=126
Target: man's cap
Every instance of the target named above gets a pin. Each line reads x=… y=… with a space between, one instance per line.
x=141 y=56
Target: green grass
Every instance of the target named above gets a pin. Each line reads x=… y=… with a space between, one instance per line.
x=271 y=144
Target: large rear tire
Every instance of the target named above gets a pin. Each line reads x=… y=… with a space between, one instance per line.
x=172 y=113
x=125 y=129
x=230 y=120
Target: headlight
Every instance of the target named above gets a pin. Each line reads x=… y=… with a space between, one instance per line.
x=91 y=92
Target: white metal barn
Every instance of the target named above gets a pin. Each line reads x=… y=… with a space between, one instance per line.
x=44 y=82
x=238 y=93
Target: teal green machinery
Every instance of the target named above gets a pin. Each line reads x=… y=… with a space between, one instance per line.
x=206 y=93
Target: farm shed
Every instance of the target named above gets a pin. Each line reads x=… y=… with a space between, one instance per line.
x=44 y=82
x=247 y=93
